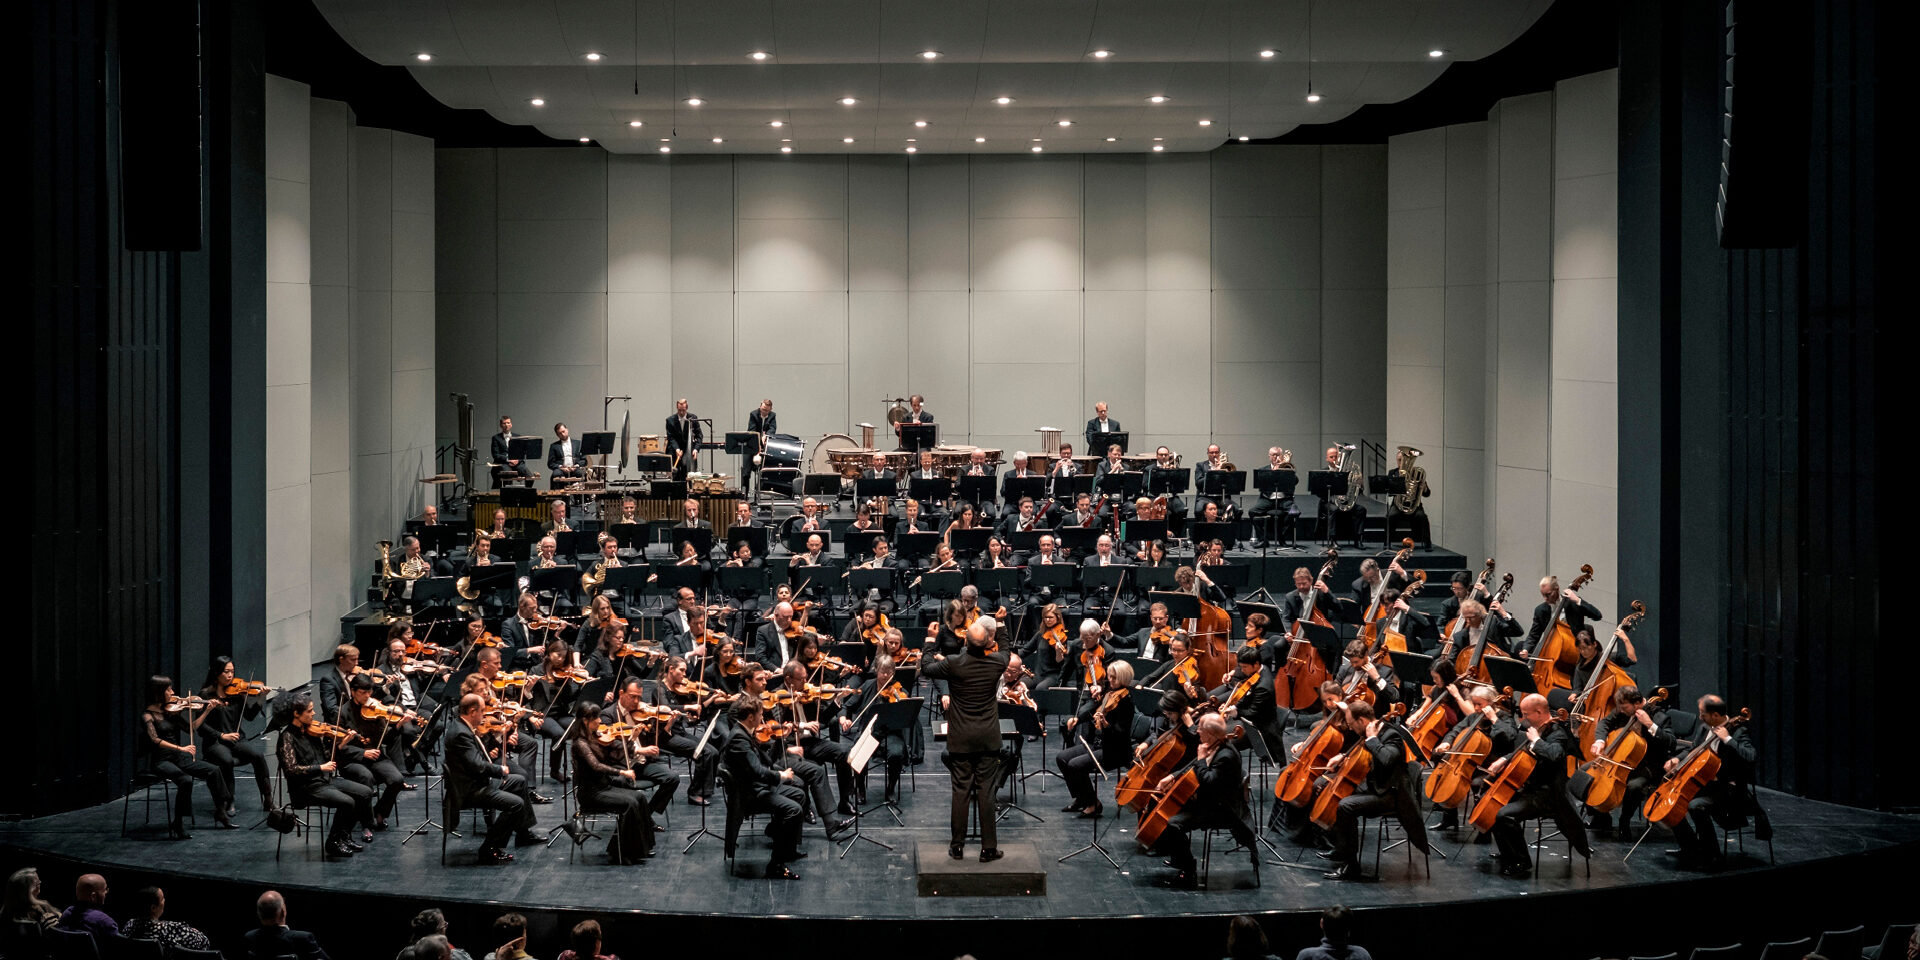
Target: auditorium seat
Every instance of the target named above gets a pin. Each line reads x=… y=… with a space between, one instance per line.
x=1893 y=943
x=72 y=945
x=1835 y=944
x=1787 y=950
x=1733 y=951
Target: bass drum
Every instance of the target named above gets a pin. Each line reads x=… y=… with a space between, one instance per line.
x=823 y=449
x=780 y=464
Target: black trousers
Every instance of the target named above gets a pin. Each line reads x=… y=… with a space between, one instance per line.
x=228 y=755
x=1727 y=806
x=681 y=744
x=975 y=777
x=386 y=778
x=892 y=751
x=351 y=803
x=1346 y=826
x=1076 y=766
x=634 y=839
x=182 y=776
x=832 y=754
x=1176 y=840
x=512 y=812
x=1509 y=827
x=783 y=803
x=658 y=778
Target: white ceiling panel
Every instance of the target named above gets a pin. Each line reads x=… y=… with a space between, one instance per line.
x=495 y=55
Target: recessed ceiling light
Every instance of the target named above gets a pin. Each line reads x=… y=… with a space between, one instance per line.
x=920 y=123
x=1064 y=123
x=1158 y=139
x=717 y=140
x=1206 y=123
x=1003 y=101
x=846 y=139
x=586 y=140
x=929 y=54
x=1102 y=54
x=913 y=149
x=1243 y=139
x=666 y=149
x=758 y=55
x=666 y=139
x=635 y=124
x=1436 y=52
x=848 y=101
x=1038 y=149
x=979 y=139
x=913 y=140
x=1157 y=99
x=1113 y=139
x=786 y=149
x=776 y=123
x=423 y=57
x=536 y=101
x=786 y=139
x=1036 y=139
x=594 y=57
x=1313 y=98
x=1269 y=54
x=1159 y=147
x=694 y=101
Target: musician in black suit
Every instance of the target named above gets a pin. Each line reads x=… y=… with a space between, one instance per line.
x=683 y=434
x=273 y=939
x=878 y=470
x=973 y=734
x=1545 y=794
x=1388 y=789
x=1294 y=606
x=502 y=448
x=767 y=790
x=1215 y=461
x=564 y=461
x=1575 y=611
x=762 y=422
x=1100 y=424
x=1727 y=800
x=916 y=413
x=1020 y=471
x=471 y=772
x=1216 y=803
x=335 y=686
x=1257 y=707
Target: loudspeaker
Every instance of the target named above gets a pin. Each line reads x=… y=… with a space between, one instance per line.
x=160 y=129
x=1764 y=133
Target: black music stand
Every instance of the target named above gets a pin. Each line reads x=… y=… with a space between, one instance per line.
x=1203 y=532
x=755 y=538
x=944 y=585
x=861 y=582
x=1231 y=578
x=1143 y=531
x=915 y=437
x=928 y=489
x=916 y=546
x=743 y=582
x=1125 y=484
x=561 y=581
x=970 y=542
x=1070 y=487
x=1026 y=541
x=1026 y=723
x=1099 y=774
x=821 y=485
x=997 y=582
x=1507 y=672
x=1168 y=481
x=701 y=537
x=902 y=714
x=630 y=581
x=1246 y=608
x=1112 y=437
x=1033 y=487
x=1094 y=578
x=1080 y=538
x=814 y=576
x=1180 y=604
x=977 y=490
x=631 y=536
x=1053 y=702
x=491 y=578
x=1327 y=484
x=1154 y=578
x=1057 y=577
x=867 y=489
x=1223 y=485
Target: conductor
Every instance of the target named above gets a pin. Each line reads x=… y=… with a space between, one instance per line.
x=973 y=733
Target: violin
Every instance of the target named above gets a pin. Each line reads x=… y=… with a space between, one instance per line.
x=1016 y=695
x=1109 y=702
x=318 y=729
x=1512 y=779
x=616 y=731
x=1095 y=670
x=376 y=676
x=692 y=688
x=772 y=730
x=244 y=688
x=1451 y=782
x=909 y=657
x=547 y=623
x=176 y=703
x=830 y=663
x=574 y=674
x=733 y=665
x=1056 y=637
x=1245 y=687
x=491 y=725
x=487 y=639
x=1668 y=803
x=375 y=710
x=626 y=649
x=827 y=692
x=894 y=692
x=501 y=681
x=420 y=648
x=509 y=710
x=1352 y=773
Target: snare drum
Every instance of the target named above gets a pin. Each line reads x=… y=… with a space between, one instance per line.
x=650 y=443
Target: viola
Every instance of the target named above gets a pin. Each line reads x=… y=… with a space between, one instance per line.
x=894 y=692
x=1512 y=779
x=1107 y=704
x=342 y=734
x=1094 y=667
x=1624 y=750
x=244 y=688
x=616 y=731
x=1451 y=782
x=1558 y=653
x=1166 y=755
x=1305 y=670
x=1668 y=803
x=1244 y=687
x=1351 y=774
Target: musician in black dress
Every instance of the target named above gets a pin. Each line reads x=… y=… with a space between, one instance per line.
x=311 y=765
x=1217 y=802
x=167 y=751
x=221 y=742
x=1728 y=799
x=605 y=784
x=551 y=692
x=1097 y=726
x=1545 y=794
x=1388 y=789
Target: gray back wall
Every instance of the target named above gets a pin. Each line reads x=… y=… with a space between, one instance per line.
x=1237 y=296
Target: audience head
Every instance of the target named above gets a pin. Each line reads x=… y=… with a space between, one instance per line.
x=154 y=901
x=435 y=947
x=1336 y=924
x=586 y=938
x=22 y=899
x=1245 y=939
x=428 y=922
x=271 y=908
x=90 y=888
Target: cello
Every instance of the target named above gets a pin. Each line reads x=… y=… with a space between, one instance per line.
x=1512 y=779
x=1371 y=624
x=1624 y=750
x=1154 y=822
x=1352 y=773
x=1668 y=802
x=1451 y=782
x=1294 y=785
x=1556 y=655
x=1135 y=788
x=1607 y=677
x=1432 y=721
x=1305 y=671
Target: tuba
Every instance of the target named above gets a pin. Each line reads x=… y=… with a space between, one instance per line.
x=1416 y=477
x=386 y=561
x=1356 y=481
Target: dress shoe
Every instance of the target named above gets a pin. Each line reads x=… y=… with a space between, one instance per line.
x=354 y=846
x=989 y=856
x=379 y=822
x=696 y=800
x=404 y=785
x=528 y=839
x=1071 y=807
x=1091 y=813
x=1517 y=871
x=779 y=871
x=490 y=857
x=1345 y=872
x=336 y=851
x=178 y=831
x=537 y=798
x=230 y=811
x=838 y=828
x=224 y=821
x=1184 y=880
x=559 y=777
x=957 y=852
x=366 y=834
x=812 y=817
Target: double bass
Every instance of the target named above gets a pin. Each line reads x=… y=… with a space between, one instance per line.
x=1467 y=661
x=1351 y=774
x=1594 y=701
x=1371 y=624
x=1305 y=671
x=1623 y=751
x=1207 y=636
x=1512 y=779
x=1391 y=639
x=1557 y=653
x=1448 y=632
x=1668 y=802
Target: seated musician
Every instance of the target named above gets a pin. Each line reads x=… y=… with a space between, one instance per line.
x=815 y=553
x=1379 y=677
x=947 y=637
x=998 y=555
x=770 y=790
x=1476 y=710
x=1103 y=555
x=1153 y=554
x=629 y=513
x=1111 y=463
x=1084 y=514
x=1154 y=640
x=743 y=515
x=1589 y=648
x=963 y=519
x=552 y=695
x=564 y=461
x=1021 y=519
x=1278 y=500
x=1021 y=469
x=1088 y=663
x=1163 y=463
x=679 y=736
x=1256 y=707
x=471 y=771
x=690 y=557
x=1358 y=509
x=911 y=523
x=501 y=447
x=649 y=771
x=609 y=560
x=1478 y=622
x=1402 y=619
x=1013 y=690
x=777 y=640
x=1725 y=800
x=864 y=706
x=743 y=557
x=977 y=465
x=1372 y=580
x=1216 y=803
x=1047 y=649
x=313 y=778
x=878 y=470
x=863 y=513
x=521 y=644
x=377 y=757
x=809 y=518
x=1063 y=463
x=1292 y=819
x=926 y=469
x=1575 y=612
x=1215 y=460
x=607 y=785
x=1216 y=555
x=412 y=566
x=1097 y=728
x=1272 y=653
x=1295 y=606
x=499 y=529
x=1388 y=789
x=167 y=751
x=1629 y=706
x=690 y=516
x=1545 y=793
x=943 y=560
x=810 y=754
